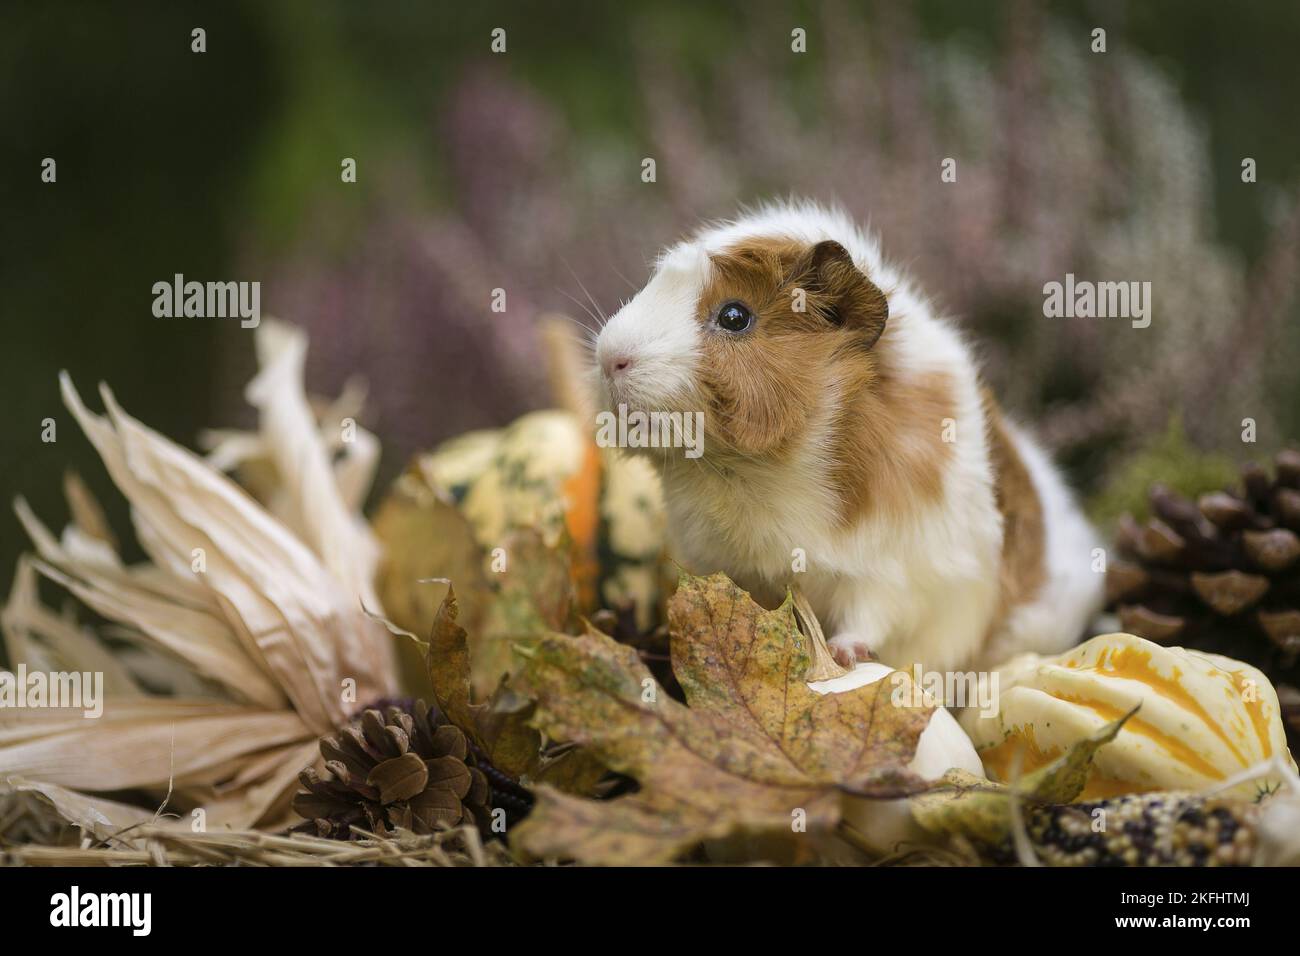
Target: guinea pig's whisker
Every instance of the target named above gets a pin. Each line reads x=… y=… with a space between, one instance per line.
x=586 y=342
x=603 y=318
x=635 y=288
x=589 y=335
x=582 y=305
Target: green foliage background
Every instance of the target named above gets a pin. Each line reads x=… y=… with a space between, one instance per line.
x=172 y=162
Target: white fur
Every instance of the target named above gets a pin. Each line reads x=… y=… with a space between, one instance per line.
x=1071 y=595
x=916 y=587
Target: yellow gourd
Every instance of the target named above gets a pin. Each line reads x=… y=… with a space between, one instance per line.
x=541 y=472
x=1203 y=718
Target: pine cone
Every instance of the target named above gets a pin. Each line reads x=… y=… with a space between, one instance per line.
x=1220 y=575
x=403 y=765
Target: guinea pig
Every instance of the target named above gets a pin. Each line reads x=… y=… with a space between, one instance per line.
x=848 y=447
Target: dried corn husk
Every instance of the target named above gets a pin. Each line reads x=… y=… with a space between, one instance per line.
x=258 y=654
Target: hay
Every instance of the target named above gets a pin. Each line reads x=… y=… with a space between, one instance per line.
x=167 y=846
x=32 y=835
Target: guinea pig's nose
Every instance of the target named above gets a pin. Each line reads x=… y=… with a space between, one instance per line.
x=617 y=363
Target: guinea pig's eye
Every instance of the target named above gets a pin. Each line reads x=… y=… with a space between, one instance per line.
x=735 y=317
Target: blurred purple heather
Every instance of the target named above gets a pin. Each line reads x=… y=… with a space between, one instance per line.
x=1066 y=161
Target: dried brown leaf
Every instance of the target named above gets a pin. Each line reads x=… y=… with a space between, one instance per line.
x=755 y=752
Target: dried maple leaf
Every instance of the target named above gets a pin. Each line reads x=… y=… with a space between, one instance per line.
x=754 y=753
x=498 y=726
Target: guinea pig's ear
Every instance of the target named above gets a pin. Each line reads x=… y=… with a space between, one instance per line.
x=846 y=296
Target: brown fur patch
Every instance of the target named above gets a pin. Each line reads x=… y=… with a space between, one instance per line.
x=1024 y=543
x=763 y=386
x=890 y=456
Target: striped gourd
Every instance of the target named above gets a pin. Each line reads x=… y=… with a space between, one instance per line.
x=541 y=472
x=1203 y=718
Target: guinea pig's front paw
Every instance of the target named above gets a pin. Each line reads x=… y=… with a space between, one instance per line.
x=850 y=649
